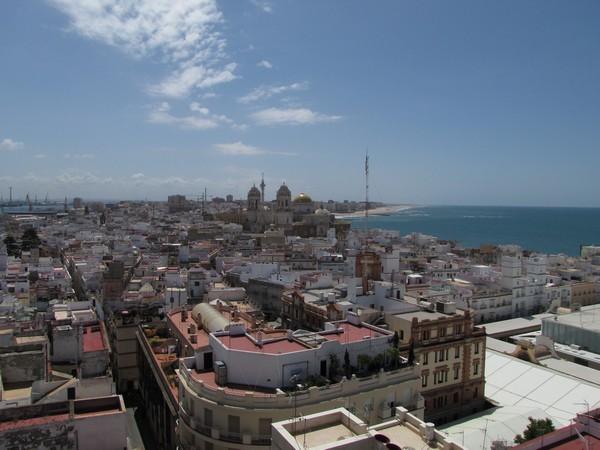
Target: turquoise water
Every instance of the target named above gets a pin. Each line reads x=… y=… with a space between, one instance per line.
x=545 y=230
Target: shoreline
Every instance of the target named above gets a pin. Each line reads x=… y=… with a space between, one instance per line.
x=381 y=211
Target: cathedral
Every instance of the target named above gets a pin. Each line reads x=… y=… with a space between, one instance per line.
x=298 y=216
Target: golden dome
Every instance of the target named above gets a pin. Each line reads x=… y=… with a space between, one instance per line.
x=302 y=198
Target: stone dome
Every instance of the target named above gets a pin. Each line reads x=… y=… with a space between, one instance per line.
x=322 y=211
x=284 y=191
x=302 y=198
x=254 y=192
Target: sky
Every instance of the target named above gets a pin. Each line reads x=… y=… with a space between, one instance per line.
x=456 y=103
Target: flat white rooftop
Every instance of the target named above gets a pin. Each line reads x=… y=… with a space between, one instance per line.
x=522 y=389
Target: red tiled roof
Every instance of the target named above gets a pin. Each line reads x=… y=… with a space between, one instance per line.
x=92 y=340
x=243 y=343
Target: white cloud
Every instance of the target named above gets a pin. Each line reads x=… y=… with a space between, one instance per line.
x=11 y=145
x=78 y=177
x=202 y=118
x=265 y=5
x=137 y=176
x=240 y=127
x=195 y=106
x=179 y=32
x=238 y=148
x=174 y=181
x=181 y=82
x=300 y=116
x=265 y=64
x=262 y=92
x=78 y=156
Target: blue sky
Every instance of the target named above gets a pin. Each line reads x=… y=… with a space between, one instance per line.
x=462 y=102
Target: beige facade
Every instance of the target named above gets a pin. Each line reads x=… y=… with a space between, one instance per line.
x=122 y=331
x=450 y=351
x=584 y=293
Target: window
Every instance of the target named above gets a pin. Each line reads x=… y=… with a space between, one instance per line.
x=475 y=368
x=425 y=335
x=457 y=352
x=233 y=423
x=425 y=358
x=442 y=355
x=442 y=376
x=424 y=381
x=456 y=373
x=476 y=348
x=442 y=332
x=264 y=426
x=455 y=397
x=208 y=417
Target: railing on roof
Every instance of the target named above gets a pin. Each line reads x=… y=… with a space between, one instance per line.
x=216 y=433
x=280 y=399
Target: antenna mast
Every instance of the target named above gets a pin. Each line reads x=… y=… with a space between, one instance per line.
x=367 y=196
x=365 y=277
x=262 y=188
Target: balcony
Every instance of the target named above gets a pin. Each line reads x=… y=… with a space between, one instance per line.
x=280 y=399
x=216 y=433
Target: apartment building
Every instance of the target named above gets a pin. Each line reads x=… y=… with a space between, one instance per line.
x=239 y=379
x=450 y=351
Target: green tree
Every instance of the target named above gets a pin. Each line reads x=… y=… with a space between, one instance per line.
x=347 y=364
x=30 y=239
x=396 y=339
x=334 y=366
x=394 y=355
x=411 y=353
x=12 y=246
x=363 y=361
x=535 y=428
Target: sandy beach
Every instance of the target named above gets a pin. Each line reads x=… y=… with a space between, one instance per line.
x=381 y=211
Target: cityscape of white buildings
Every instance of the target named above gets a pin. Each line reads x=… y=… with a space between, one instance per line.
x=238 y=324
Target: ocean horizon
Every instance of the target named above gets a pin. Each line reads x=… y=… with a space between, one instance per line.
x=542 y=229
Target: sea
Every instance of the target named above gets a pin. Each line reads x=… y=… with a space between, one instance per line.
x=549 y=230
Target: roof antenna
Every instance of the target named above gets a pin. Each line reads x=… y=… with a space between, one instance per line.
x=367 y=194
x=262 y=188
x=365 y=278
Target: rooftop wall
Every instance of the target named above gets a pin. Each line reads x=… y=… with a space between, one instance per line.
x=281 y=399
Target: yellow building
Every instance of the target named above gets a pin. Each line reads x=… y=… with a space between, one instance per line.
x=450 y=351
